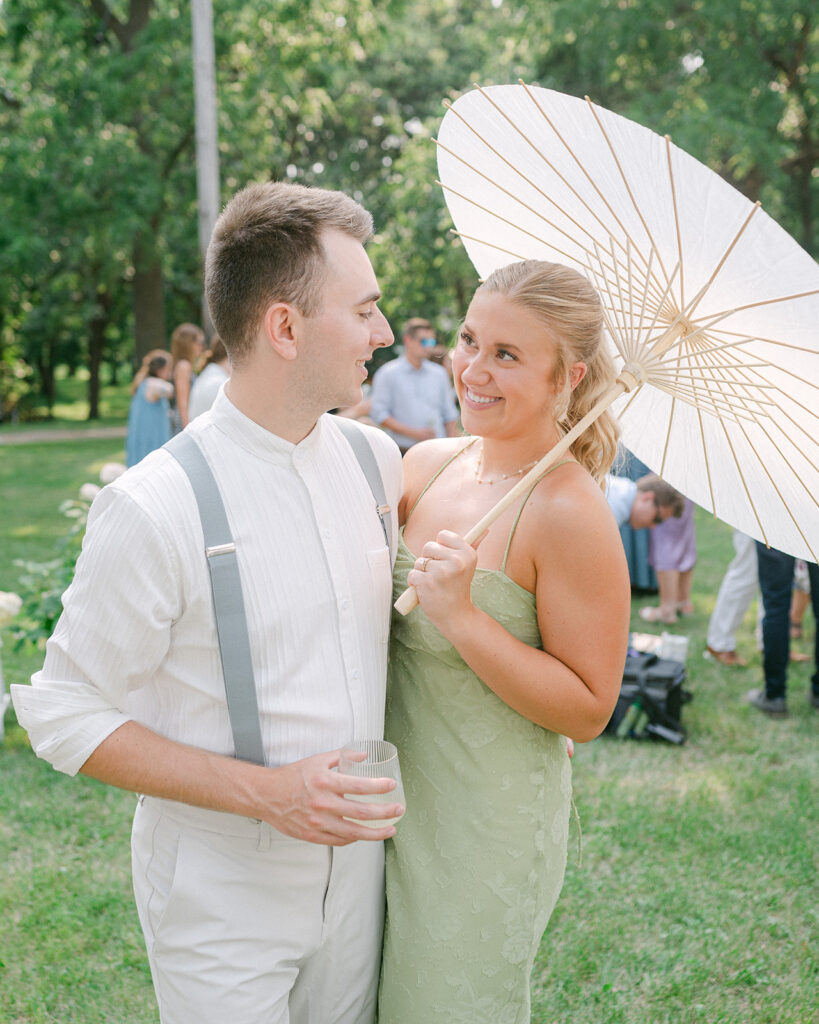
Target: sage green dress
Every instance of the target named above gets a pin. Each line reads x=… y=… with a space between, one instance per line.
x=477 y=864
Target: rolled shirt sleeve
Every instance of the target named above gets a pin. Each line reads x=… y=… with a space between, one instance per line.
x=114 y=631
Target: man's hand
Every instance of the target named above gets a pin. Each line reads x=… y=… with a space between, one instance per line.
x=307 y=802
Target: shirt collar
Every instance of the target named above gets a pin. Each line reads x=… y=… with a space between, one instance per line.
x=408 y=367
x=256 y=439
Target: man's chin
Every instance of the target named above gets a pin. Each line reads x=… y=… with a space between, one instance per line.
x=353 y=397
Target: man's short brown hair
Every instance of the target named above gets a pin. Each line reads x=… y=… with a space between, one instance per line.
x=265 y=248
x=416 y=326
x=664 y=493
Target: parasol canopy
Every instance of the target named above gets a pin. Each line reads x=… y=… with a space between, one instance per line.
x=711 y=308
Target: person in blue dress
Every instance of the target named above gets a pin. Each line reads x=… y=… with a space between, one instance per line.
x=149 y=422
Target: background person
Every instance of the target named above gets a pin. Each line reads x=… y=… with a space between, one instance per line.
x=736 y=592
x=635 y=541
x=412 y=397
x=776 y=574
x=149 y=425
x=214 y=371
x=256 y=900
x=187 y=345
x=494 y=670
x=642 y=503
x=673 y=554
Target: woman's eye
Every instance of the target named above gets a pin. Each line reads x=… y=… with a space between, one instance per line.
x=504 y=355
x=466 y=339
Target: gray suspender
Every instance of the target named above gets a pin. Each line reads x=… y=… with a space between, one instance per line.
x=228 y=604
x=226 y=584
x=369 y=467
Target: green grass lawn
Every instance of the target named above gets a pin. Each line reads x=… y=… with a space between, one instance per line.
x=70 y=410
x=695 y=899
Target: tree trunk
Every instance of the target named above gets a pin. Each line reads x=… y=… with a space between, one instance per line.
x=149 y=300
x=96 y=350
x=45 y=367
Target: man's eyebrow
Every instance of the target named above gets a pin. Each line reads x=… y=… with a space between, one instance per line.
x=372 y=297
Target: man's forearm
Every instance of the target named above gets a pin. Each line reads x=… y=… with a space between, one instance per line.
x=305 y=799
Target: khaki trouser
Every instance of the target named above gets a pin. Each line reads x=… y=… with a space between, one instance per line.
x=245 y=925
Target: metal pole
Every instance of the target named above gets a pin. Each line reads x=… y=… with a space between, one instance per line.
x=207 y=138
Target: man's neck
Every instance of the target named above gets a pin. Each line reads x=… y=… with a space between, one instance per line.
x=276 y=412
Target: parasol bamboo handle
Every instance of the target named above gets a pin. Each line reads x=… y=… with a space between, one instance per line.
x=409 y=599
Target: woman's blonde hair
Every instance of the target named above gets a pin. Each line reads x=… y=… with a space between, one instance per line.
x=185 y=342
x=564 y=301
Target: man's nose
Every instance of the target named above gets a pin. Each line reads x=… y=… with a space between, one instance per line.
x=381 y=335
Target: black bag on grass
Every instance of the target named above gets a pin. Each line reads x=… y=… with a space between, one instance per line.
x=651 y=700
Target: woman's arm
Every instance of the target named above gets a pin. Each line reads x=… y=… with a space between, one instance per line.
x=182 y=387
x=583 y=608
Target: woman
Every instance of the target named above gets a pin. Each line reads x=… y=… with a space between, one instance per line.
x=187 y=344
x=519 y=643
x=213 y=374
x=672 y=554
x=149 y=412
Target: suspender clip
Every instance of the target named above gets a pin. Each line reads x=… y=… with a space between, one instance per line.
x=220 y=549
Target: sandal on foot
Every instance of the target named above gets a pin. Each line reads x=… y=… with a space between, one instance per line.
x=655 y=614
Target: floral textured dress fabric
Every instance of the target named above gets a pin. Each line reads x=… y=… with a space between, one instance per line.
x=477 y=865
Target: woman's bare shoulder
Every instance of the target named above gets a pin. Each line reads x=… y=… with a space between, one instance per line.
x=568 y=501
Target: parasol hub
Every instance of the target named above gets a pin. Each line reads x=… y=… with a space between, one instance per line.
x=679 y=328
x=632 y=376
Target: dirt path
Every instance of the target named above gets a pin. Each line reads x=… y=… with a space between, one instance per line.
x=40 y=436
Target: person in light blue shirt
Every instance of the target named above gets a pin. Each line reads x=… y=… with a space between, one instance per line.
x=412 y=398
x=642 y=503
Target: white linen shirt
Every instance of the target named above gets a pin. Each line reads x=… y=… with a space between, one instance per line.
x=137 y=637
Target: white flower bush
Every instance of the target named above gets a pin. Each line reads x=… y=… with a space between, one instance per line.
x=10 y=605
x=110 y=471
x=44 y=583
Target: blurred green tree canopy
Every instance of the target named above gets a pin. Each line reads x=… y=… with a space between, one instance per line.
x=98 y=228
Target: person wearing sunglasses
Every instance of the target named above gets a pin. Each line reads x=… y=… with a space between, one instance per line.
x=412 y=397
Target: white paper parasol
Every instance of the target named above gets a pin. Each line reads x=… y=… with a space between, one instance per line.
x=712 y=309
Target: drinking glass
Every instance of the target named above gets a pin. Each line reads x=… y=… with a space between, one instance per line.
x=373 y=759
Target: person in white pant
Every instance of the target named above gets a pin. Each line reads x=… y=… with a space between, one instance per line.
x=737 y=591
x=259 y=887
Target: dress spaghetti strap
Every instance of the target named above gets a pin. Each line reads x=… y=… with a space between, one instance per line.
x=437 y=473
x=520 y=509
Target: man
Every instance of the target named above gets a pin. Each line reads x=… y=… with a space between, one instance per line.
x=412 y=396
x=776 y=571
x=643 y=503
x=737 y=590
x=256 y=900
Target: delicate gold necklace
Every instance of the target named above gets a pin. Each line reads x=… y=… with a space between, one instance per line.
x=503 y=476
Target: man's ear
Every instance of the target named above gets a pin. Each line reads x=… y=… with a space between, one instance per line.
x=280 y=328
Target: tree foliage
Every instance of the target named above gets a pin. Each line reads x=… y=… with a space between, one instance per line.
x=98 y=239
